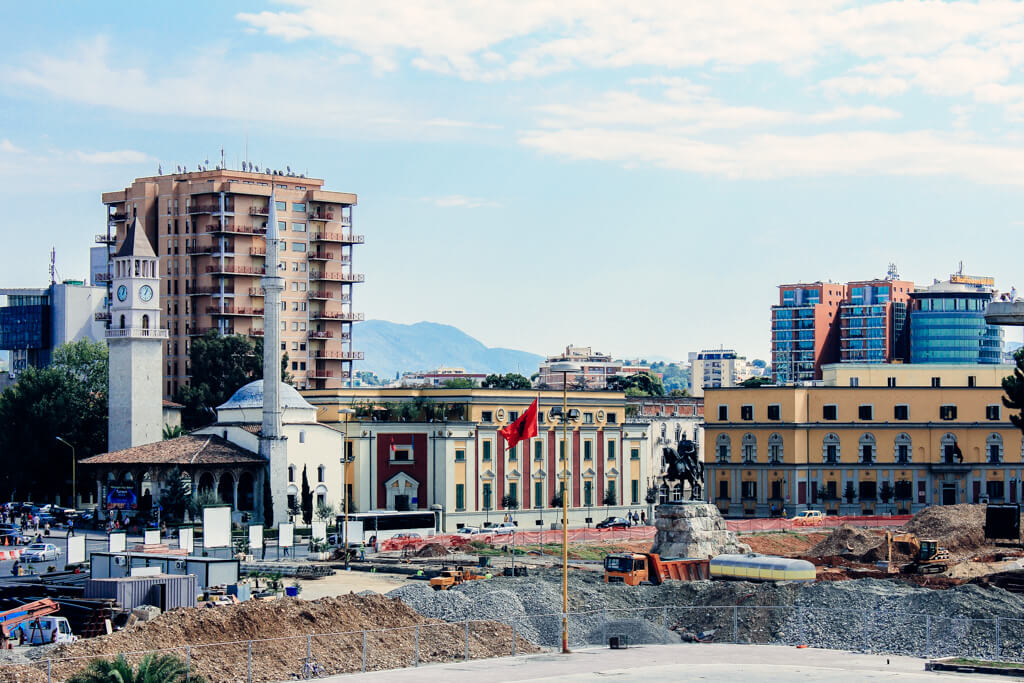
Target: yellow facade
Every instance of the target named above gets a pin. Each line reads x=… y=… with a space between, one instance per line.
x=895 y=449
x=914 y=375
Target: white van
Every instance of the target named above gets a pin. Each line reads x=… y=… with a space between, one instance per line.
x=46 y=630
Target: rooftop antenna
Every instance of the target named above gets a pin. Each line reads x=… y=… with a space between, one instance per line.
x=893 y=274
x=53 y=266
x=222 y=157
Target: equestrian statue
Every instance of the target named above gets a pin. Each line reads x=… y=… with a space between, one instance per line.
x=683 y=464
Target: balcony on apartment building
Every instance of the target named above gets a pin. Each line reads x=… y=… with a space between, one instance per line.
x=338 y=237
x=117 y=216
x=322 y=354
x=212 y=208
x=259 y=211
x=102 y=316
x=327 y=294
x=106 y=239
x=337 y=315
x=233 y=269
x=336 y=277
x=208 y=290
x=234 y=310
x=247 y=229
x=321 y=255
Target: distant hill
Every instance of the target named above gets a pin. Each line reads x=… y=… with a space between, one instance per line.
x=392 y=347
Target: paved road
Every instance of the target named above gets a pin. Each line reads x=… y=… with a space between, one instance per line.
x=647 y=664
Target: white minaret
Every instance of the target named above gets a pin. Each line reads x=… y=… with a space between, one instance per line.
x=135 y=339
x=273 y=446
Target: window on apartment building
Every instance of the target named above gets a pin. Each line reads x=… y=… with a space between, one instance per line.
x=281 y=206
x=302 y=365
x=936 y=381
x=972 y=381
x=486 y=456
x=538 y=451
x=830 y=412
x=588 y=450
x=613 y=418
x=298 y=227
x=723 y=413
x=634 y=492
x=460 y=496
x=282 y=226
x=747 y=413
x=302 y=346
x=611 y=450
x=901 y=412
x=291 y=473
x=947 y=412
x=634 y=454
x=486 y=416
x=588 y=418
x=865 y=412
x=321 y=474
x=855 y=381
x=295 y=365
x=298 y=246
x=460 y=455
x=890 y=382
x=992 y=412
x=299 y=207
x=774 y=412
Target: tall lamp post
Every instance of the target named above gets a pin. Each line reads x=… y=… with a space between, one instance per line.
x=565 y=369
x=74 y=482
x=346 y=412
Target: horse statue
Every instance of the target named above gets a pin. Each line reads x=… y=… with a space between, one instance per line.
x=684 y=464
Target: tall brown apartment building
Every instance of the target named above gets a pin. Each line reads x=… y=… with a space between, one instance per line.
x=209 y=231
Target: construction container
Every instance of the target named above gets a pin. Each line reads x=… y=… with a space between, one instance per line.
x=755 y=567
x=210 y=571
x=163 y=590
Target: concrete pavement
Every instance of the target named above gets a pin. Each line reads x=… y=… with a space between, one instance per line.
x=650 y=663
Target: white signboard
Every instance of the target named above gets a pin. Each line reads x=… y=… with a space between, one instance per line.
x=151 y=537
x=286 y=535
x=217 y=526
x=76 y=550
x=117 y=542
x=319 y=531
x=146 y=571
x=185 y=539
x=354 y=530
x=255 y=537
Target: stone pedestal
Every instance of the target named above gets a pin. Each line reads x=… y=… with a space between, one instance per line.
x=694 y=530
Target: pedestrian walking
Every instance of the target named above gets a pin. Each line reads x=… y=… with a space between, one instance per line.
x=46 y=531
x=71 y=528
x=263 y=556
x=16 y=568
x=643 y=518
x=362 y=551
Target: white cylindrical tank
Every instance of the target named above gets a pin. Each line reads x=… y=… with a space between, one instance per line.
x=754 y=567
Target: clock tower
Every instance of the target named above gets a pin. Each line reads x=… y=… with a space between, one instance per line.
x=135 y=341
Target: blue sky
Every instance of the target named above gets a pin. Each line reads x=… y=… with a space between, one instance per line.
x=633 y=176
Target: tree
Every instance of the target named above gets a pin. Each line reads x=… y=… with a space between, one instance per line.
x=173 y=432
x=205 y=498
x=510 y=502
x=850 y=494
x=154 y=668
x=1014 y=388
x=510 y=381
x=637 y=384
x=609 y=495
x=556 y=500
x=652 y=495
x=307 y=499
x=885 y=494
x=754 y=382
x=176 y=496
x=458 y=383
x=324 y=512
x=220 y=365
x=66 y=399
x=679 y=393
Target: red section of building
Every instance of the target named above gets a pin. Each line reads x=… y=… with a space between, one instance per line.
x=552 y=470
x=576 y=469
x=823 y=299
x=417 y=469
x=524 y=474
x=600 y=462
x=476 y=459
x=499 y=478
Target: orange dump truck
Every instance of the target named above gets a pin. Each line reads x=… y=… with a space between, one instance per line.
x=634 y=569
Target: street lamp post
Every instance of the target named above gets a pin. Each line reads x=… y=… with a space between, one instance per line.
x=565 y=369
x=344 y=478
x=74 y=482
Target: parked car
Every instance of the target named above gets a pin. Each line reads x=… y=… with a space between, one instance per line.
x=470 y=531
x=407 y=536
x=41 y=552
x=614 y=523
x=809 y=518
x=503 y=529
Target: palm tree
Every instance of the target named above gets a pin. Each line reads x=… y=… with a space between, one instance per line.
x=173 y=432
x=153 y=668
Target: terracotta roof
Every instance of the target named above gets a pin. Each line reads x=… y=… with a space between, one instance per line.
x=185 y=450
x=172 y=404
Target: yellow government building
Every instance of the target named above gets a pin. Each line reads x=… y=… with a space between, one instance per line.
x=868 y=439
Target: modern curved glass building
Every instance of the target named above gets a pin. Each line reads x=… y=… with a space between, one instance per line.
x=947 y=323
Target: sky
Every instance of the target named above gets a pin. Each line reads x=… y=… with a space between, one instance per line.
x=637 y=177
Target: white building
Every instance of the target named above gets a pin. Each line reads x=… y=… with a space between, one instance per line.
x=717 y=368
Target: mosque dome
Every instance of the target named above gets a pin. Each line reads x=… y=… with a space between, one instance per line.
x=251 y=396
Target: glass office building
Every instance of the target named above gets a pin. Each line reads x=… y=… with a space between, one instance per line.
x=947 y=325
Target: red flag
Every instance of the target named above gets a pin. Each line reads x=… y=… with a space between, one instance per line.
x=523 y=428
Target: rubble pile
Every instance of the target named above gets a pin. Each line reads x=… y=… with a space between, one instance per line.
x=846 y=540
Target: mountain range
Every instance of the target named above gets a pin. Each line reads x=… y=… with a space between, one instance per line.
x=392 y=348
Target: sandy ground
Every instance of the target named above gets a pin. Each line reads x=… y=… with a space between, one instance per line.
x=343 y=582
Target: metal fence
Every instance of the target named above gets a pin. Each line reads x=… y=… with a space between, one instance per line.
x=314 y=656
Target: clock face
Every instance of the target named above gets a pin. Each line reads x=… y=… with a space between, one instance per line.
x=145 y=292
x=122 y=293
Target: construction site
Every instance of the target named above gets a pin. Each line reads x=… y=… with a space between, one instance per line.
x=933 y=586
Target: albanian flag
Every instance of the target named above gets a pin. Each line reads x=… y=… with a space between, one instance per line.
x=523 y=428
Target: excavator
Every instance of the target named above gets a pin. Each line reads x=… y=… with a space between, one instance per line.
x=927 y=556
x=31 y=616
x=454 y=577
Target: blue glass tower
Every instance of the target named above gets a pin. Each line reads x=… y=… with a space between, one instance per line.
x=947 y=325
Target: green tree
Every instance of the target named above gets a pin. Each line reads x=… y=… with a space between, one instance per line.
x=220 y=364
x=609 y=496
x=509 y=502
x=754 y=382
x=1013 y=385
x=154 y=668
x=176 y=495
x=510 y=381
x=679 y=393
x=637 y=384
x=173 y=432
x=324 y=512
x=458 y=383
x=307 y=499
x=556 y=500
x=204 y=498
x=850 y=494
x=66 y=399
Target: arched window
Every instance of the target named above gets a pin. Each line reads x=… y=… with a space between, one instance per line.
x=663 y=493
x=904 y=449
x=145 y=322
x=775 y=449
x=122 y=321
x=321 y=474
x=226 y=489
x=291 y=474
x=749 y=448
x=830 y=449
x=994 y=448
x=867 y=448
x=723 y=448
x=950 y=450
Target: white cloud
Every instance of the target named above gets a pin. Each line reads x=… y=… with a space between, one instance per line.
x=121 y=156
x=458 y=201
x=857 y=85
x=26 y=169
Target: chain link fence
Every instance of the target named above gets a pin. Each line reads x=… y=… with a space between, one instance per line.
x=314 y=656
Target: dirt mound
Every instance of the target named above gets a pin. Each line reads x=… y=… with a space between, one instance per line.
x=958 y=528
x=846 y=540
x=786 y=544
x=224 y=631
x=432 y=550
